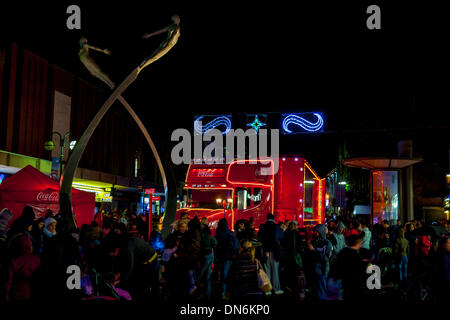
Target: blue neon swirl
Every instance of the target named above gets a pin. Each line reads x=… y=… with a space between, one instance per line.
x=205 y=128
x=306 y=125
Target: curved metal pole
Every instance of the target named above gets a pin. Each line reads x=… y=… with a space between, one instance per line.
x=169 y=191
x=149 y=140
x=65 y=194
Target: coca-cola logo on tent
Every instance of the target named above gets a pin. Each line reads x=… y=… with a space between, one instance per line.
x=48 y=196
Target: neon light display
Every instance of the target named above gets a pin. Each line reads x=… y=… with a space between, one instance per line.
x=291 y=121
x=216 y=122
x=255 y=122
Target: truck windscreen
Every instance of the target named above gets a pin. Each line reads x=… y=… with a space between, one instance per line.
x=209 y=198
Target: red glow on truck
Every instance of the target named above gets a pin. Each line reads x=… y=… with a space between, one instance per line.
x=239 y=190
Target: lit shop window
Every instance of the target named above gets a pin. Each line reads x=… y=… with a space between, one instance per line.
x=135 y=167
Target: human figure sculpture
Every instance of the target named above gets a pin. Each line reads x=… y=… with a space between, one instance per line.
x=69 y=172
x=173 y=33
x=90 y=64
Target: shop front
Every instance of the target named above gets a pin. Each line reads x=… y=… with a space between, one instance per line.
x=390 y=186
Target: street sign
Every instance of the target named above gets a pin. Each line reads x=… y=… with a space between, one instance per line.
x=150 y=191
x=55 y=167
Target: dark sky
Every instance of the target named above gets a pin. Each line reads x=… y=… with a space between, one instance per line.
x=255 y=56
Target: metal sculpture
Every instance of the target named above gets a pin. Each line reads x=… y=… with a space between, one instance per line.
x=69 y=172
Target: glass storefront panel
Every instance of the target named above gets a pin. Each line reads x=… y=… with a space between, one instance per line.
x=385 y=195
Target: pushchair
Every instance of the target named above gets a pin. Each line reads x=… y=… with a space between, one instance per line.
x=103 y=290
x=385 y=261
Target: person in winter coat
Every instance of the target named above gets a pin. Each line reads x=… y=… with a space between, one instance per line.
x=353 y=229
x=241 y=230
x=38 y=235
x=18 y=225
x=366 y=240
x=5 y=217
x=321 y=249
x=400 y=252
x=270 y=234
x=411 y=236
x=423 y=245
x=226 y=250
x=138 y=267
x=242 y=279
x=156 y=238
x=337 y=238
x=207 y=243
x=441 y=272
x=349 y=268
x=52 y=259
x=190 y=252
x=21 y=269
x=293 y=262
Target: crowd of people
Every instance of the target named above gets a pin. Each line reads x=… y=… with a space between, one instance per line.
x=120 y=259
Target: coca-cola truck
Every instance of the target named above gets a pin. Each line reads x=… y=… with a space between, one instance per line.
x=242 y=189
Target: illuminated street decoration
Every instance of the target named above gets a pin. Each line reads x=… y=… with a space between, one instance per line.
x=201 y=127
x=303 y=120
x=255 y=122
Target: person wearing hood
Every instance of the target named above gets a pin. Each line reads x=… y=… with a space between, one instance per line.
x=321 y=249
x=226 y=250
x=52 y=259
x=18 y=226
x=270 y=235
x=338 y=239
x=50 y=227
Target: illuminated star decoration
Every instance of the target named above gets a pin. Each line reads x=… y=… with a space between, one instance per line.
x=256 y=124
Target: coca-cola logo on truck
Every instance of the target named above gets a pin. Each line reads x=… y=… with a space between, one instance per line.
x=48 y=196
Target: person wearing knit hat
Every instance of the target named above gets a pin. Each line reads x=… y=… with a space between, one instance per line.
x=50 y=227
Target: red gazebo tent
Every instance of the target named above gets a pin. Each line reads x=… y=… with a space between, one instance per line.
x=30 y=187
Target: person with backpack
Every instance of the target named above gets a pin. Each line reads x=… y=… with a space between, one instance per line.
x=337 y=239
x=321 y=249
x=226 y=251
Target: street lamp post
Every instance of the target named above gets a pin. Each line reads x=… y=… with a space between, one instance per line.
x=49 y=145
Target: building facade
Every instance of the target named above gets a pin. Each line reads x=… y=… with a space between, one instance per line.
x=38 y=99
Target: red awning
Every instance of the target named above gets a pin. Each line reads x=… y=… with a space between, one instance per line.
x=30 y=187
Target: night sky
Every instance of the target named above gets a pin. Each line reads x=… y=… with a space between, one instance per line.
x=266 y=57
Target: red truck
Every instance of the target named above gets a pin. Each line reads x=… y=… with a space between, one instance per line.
x=238 y=190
